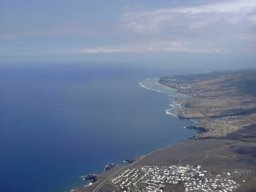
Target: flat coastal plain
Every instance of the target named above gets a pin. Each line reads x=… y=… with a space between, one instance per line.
x=221 y=156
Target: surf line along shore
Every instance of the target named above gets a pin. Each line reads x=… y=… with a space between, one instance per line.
x=226 y=162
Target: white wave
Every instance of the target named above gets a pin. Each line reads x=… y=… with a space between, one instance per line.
x=152 y=84
x=89 y=184
x=170 y=112
x=193 y=120
x=177 y=105
x=172 y=106
x=145 y=87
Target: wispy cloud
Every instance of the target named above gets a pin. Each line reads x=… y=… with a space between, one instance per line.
x=217 y=24
x=209 y=27
x=156 y=47
x=190 y=18
x=206 y=28
x=160 y=47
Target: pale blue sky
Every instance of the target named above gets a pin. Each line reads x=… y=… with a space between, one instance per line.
x=130 y=30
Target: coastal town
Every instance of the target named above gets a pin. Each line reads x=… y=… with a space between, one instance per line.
x=158 y=178
x=220 y=157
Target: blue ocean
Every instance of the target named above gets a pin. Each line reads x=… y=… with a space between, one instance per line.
x=60 y=121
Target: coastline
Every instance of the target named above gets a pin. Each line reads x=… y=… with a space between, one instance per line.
x=120 y=166
x=217 y=109
x=208 y=153
x=216 y=154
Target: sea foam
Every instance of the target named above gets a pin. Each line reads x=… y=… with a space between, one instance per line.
x=151 y=89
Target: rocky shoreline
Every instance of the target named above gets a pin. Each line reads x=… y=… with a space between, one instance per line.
x=225 y=142
x=218 y=105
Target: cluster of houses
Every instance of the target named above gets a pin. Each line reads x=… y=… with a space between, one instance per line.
x=157 y=178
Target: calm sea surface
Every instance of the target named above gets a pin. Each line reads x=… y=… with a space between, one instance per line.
x=61 y=121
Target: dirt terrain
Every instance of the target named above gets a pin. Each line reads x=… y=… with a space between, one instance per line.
x=224 y=105
x=222 y=102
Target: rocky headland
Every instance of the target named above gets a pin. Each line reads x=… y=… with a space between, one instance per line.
x=222 y=155
x=221 y=102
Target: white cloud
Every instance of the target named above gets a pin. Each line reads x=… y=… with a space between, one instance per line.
x=105 y=50
x=215 y=27
x=156 y=47
x=232 y=6
x=223 y=24
x=192 y=17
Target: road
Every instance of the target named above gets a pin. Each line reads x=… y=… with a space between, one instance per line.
x=100 y=185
